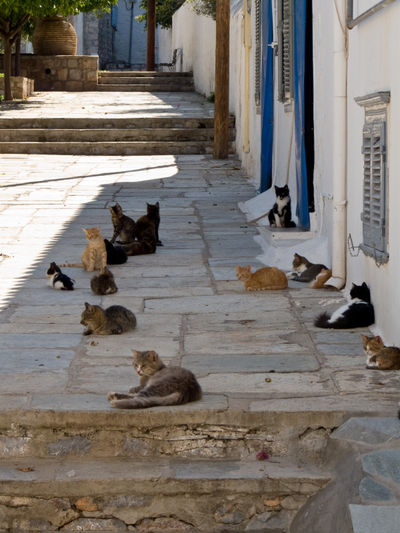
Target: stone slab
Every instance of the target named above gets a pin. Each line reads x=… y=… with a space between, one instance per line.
x=373 y=518
x=383 y=463
x=369 y=430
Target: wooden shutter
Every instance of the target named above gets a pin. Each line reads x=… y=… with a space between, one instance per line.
x=285 y=50
x=374 y=193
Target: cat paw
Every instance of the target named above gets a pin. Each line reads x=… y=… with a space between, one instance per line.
x=159 y=243
x=111 y=396
x=87 y=332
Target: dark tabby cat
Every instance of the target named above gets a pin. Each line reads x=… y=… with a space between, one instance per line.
x=124 y=226
x=358 y=313
x=379 y=356
x=111 y=321
x=115 y=254
x=104 y=283
x=280 y=216
x=159 y=385
x=57 y=279
x=146 y=231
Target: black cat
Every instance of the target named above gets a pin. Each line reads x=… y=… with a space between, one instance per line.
x=357 y=313
x=146 y=232
x=280 y=216
x=115 y=254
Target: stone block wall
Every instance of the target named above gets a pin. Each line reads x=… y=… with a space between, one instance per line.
x=60 y=73
x=21 y=87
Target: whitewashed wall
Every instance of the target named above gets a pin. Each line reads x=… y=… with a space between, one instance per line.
x=373 y=56
x=196 y=36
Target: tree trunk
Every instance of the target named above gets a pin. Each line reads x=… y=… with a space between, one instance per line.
x=221 y=106
x=7 y=69
x=151 y=33
x=17 y=56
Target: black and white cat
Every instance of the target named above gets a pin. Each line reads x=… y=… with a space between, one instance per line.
x=57 y=279
x=357 y=313
x=280 y=216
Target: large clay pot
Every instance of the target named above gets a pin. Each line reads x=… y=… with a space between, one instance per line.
x=54 y=36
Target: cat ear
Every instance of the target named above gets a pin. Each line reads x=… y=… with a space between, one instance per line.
x=379 y=338
x=87 y=305
x=364 y=285
x=364 y=337
x=276 y=188
x=158 y=204
x=248 y=268
x=153 y=355
x=135 y=353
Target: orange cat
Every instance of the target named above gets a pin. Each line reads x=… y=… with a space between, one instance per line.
x=265 y=278
x=379 y=356
x=94 y=256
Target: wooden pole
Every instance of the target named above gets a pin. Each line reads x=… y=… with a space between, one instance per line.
x=151 y=34
x=221 y=107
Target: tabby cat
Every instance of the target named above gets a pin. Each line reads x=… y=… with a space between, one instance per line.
x=280 y=216
x=146 y=232
x=265 y=278
x=111 y=321
x=57 y=279
x=159 y=385
x=104 y=283
x=357 y=313
x=94 y=256
x=379 y=356
x=124 y=226
x=314 y=274
x=115 y=254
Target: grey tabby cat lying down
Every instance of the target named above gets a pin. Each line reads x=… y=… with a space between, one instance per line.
x=159 y=384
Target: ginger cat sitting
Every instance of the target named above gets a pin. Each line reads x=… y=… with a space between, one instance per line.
x=263 y=279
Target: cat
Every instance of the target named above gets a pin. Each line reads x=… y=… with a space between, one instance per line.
x=124 y=226
x=94 y=256
x=111 y=321
x=357 y=313
x=159 y=385
x=146 y=232
x=315 y=274
x=115 y=254
x=104 y=283
x=379 y=356
x=265 y=278
x=280 y=216
x=57 y=279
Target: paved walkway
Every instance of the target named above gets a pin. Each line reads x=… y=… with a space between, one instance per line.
x=251 y=351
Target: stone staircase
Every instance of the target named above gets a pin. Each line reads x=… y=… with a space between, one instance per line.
x=109 y=136
x=171 y=470
x=145 y=81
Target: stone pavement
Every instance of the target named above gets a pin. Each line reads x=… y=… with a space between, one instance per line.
x=270 y=378
x=253 y=351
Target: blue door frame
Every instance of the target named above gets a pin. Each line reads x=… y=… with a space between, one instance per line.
x=267 y=104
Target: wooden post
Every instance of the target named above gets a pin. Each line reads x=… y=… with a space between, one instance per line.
x=221 y=106
x=151 y=34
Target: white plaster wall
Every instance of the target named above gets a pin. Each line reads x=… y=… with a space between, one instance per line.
x=165 y=51
x=195 y=35
x=78 y=25
x=373 y=56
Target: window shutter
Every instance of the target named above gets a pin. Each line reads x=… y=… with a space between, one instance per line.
x=285 y=50
x=375 y=175
x=257 y=52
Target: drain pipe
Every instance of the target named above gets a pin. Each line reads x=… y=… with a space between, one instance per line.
x=339 y=148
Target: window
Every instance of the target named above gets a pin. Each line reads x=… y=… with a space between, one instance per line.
x=374 y=149
x=285 y=50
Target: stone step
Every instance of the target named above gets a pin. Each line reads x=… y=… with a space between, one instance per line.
x=164 y=494
x=110 y=123
x=143 y=74
x=102 y=135
x=111 y=148
x=146 y=87
x=87 y=427
x=144 y=80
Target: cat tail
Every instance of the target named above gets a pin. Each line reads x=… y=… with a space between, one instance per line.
x=322 y=321
x=71 y=265
x=142 y=402
x=140 y=248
